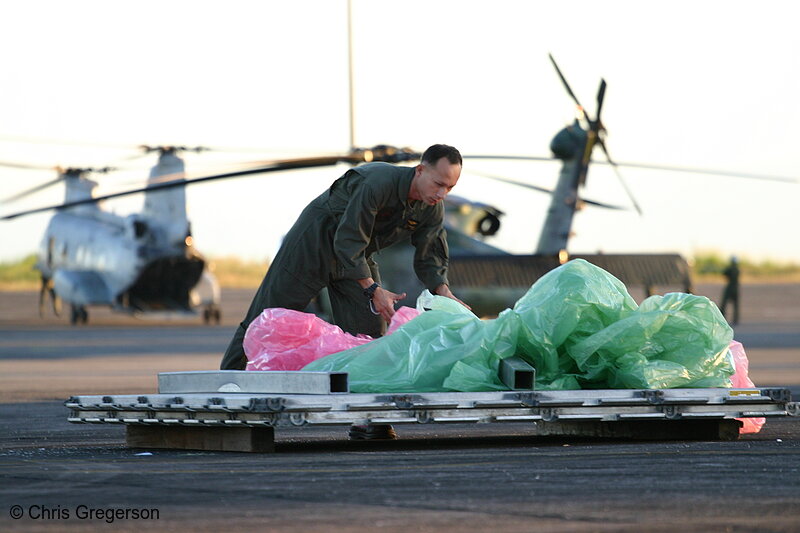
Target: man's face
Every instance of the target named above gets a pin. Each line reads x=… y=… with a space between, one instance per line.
x=433 y=182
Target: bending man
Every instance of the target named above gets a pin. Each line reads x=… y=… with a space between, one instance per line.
x=332 y=242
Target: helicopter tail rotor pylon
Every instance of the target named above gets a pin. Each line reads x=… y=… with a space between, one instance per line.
x=574 y=146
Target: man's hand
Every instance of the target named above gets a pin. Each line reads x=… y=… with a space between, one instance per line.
x=444 y=290
x=383 y=301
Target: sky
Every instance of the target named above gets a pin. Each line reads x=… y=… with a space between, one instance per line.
x=708 y=84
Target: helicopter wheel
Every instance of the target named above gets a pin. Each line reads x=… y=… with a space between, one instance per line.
x=56 y=303
x=78 y=315
x=45 y=291
x=488 y=225
x=210 y=313
x=41 y=299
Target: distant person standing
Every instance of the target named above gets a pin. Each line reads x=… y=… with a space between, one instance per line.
x=731 y=292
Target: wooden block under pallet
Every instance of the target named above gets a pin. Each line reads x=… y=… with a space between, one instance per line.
x=224 y=439
x=645 y=429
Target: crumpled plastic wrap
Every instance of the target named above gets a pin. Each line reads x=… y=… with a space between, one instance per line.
x=283 y=339
x=578 y=327
x=672 y=341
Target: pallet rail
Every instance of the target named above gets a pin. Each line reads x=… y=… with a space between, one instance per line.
x=617 y=412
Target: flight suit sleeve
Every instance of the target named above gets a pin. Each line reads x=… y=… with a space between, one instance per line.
x=354 y=230
x=431 y=256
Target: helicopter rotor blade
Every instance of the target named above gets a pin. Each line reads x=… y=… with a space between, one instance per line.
x=566 y=85
x=511 y=182
x=512 y=157
x=603 y=204
x=25 y=166
x=601 y=94
x=145 y=150
x=695 y=170
x=620 y=177
x=134 y=157
x=30 y=191
x=669 y=168
x=542 y=189
x=70 y=142
x=262 y=168
x=142 y=149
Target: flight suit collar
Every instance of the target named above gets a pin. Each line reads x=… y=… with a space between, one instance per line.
x=404 y=187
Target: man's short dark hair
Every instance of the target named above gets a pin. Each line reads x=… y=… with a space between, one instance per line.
x=434 y=153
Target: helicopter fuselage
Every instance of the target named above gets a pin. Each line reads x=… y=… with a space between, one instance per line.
x=93 y=257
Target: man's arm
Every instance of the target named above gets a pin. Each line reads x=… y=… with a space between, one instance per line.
x=444 y=290
x=382 y=300
x=432 y=257
x=352 y=237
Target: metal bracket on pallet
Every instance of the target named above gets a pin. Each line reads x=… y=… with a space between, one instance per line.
x=267 y=405
x=654 y=396
x=778 y=395
x=405 y=402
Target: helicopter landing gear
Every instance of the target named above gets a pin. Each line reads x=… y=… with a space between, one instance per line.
x=78 y=315
x=212 y=313
x=47 y=290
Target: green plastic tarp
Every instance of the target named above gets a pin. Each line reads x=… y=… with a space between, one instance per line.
x=577 y=326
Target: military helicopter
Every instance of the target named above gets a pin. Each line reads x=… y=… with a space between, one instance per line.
x=141 y=263
x=491 y=279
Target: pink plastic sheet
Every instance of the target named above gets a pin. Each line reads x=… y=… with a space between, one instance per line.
x=741 y=380
x=283 y=339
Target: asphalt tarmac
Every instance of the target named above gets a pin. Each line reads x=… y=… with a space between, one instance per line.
x=74 y=477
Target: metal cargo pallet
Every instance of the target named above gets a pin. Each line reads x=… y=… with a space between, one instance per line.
x=205 y=410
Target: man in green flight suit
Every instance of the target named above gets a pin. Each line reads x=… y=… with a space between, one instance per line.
x=331 y=244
